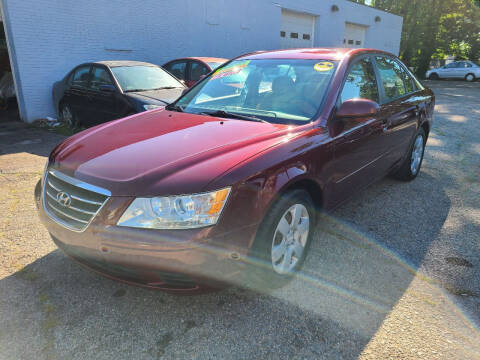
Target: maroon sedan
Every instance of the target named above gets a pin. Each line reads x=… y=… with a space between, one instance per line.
x=192 y=69
x=225 y=183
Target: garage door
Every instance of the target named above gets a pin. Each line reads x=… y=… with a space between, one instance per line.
x=354 y=35
x=297 y=30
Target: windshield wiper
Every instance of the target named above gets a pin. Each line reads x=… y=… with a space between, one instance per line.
x=160 y=88
x=168 y=87
x=135 y=90
x=173 y=107
x=227 y=114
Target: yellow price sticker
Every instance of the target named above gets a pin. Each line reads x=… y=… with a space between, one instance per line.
x=323 y=66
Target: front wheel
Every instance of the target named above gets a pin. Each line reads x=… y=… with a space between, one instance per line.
x=412 y=164
x=282 y=241
x=433 y=76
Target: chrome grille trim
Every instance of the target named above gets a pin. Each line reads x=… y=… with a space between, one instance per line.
x=80 y=184
x=86 y=201
x=71 y=207
x=65 y=214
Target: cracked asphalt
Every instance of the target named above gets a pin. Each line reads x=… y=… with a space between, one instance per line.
x=393 y=274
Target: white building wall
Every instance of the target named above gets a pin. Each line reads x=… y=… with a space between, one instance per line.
x=330 y=26
x=47 y=38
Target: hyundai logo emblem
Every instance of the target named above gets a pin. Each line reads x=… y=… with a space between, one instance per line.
x=64 y=199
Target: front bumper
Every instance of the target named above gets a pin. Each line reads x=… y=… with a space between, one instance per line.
x=172 y=260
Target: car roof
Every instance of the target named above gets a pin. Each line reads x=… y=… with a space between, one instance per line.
x=208 y=59
x=116 y=63
x=311 y=53
x=201 y=58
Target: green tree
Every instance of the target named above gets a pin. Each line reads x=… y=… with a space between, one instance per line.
x=435 y=29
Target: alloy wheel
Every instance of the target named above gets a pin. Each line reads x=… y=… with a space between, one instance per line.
x=417 y=155
x=290 y=239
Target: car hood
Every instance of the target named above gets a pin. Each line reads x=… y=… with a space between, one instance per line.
x=162 y=152
x=166 y=96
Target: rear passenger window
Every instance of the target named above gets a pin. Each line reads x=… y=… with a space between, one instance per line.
x=177 y=69
x=100 y=77
x=197 y=70
x=393 y=78
x=81 y=76
x=360 y=82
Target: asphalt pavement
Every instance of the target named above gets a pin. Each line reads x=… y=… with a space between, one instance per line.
x=393 y=274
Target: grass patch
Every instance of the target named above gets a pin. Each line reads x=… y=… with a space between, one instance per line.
x=62 y=128
x=28 y=274
x=51 y=321
x=43 y=298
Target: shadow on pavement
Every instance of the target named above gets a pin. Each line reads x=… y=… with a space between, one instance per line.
x=354 y=276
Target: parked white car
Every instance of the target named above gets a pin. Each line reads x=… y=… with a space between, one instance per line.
x=456 y=70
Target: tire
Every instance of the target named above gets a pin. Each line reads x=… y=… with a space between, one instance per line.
x=470 y=78
x=413 y=163
x=434 y=76
x=267 y=272
x=68 y=116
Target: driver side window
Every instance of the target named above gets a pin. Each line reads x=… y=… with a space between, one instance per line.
x=100 y=77
x=361 y=82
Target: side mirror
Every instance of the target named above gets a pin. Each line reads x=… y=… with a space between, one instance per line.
x=108 y=88
x=183 y=82
x=358 y=108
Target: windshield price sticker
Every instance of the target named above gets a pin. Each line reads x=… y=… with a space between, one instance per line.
x=231 y=69
x=323 y=66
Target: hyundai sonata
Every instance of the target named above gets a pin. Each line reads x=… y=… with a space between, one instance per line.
x=225 y=183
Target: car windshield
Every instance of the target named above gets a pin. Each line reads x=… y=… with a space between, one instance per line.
x=144 y=78
x=273 y=90
x=214 y=65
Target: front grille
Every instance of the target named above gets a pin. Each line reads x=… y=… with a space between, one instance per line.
x=70 y=202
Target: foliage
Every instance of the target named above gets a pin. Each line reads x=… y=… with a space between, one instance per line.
x=435 y=29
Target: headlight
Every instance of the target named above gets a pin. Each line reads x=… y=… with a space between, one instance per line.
x=151 y=106
x=175 y=212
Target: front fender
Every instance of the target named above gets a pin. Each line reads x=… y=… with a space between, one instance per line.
x=259 y=180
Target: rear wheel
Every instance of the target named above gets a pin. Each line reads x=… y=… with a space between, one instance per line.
x=434 y=76
x=68 y=116
x=412 y=164
x=282 y=241
x=470 y=78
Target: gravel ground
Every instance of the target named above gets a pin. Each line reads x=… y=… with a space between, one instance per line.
x=393 y=274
